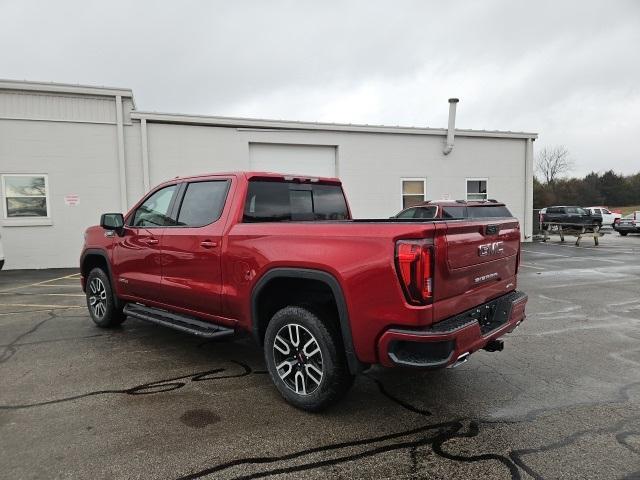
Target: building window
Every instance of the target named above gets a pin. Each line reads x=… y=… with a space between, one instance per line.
x=25 y=196
x=477 y=189
x=414 y=191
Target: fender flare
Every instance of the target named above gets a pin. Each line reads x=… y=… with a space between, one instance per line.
x=355 y=365
x=101 y=253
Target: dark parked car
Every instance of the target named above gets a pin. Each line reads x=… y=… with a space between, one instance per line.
x=628 y=224
x=455 y=209
x=569 y=216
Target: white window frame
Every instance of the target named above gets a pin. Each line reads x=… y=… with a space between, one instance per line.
x=412 y=179
x=25 y=221
x=475 y=179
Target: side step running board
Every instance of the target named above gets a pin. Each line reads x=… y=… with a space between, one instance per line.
x=177 y=321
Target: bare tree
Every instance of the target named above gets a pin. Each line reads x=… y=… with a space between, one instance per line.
x=553 y=162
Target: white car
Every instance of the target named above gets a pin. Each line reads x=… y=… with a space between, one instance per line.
x=608 y=217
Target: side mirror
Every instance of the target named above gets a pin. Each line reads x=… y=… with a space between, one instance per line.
x=112 y=221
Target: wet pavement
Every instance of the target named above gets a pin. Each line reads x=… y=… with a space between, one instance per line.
x=561 y=401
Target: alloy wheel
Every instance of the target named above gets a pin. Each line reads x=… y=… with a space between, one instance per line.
x=98 y=298
x=298 y=359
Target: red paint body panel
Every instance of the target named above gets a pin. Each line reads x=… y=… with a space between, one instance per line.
x=217 y=283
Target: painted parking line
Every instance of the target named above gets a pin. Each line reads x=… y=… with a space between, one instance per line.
x=606 y=248
x=573 y=257
x=531 y=266
x=629 y=281
x=45 y=294
x=39 y=305
x=39 y=283
x=546 y=253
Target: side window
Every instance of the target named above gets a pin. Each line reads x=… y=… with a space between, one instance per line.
x=414 y=191
x=203 y=203
x=154 y=211
x=476 y=189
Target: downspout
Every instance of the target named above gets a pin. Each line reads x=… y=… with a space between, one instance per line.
x=145 y=154
x=121 y=160
x=452 y=126
x=528 y=191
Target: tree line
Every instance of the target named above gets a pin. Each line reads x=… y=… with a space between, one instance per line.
x=609 y=188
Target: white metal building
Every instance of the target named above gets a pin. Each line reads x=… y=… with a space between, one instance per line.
x=69 y=153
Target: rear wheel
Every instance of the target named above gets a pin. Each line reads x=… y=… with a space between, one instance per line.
x=623 y=234
x=305 y=359
x=101 y=302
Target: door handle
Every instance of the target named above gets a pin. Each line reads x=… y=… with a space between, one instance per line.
x=151 y=241
x=208 y=244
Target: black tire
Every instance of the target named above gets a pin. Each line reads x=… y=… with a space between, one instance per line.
x=101 y=302
x=335 y=378
x=623 y=234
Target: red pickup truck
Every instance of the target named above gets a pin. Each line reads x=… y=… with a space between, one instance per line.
x=324 y=295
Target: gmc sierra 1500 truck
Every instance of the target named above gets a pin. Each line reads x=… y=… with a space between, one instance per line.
x=324 y=295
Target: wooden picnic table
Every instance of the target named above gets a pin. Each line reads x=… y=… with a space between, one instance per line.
x=579 y=231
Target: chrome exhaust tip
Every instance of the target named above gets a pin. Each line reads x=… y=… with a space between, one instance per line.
x=460 y=360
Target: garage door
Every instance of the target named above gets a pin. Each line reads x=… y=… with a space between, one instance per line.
x=307 y=160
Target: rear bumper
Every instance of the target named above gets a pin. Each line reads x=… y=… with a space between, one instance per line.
x=443 y=343
x=626 y=228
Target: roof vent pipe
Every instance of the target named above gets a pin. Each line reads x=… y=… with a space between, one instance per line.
x=452 y=126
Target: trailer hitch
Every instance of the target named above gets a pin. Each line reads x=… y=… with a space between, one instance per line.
x=494 y=346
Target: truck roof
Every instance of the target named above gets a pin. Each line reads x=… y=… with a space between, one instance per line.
x=267 y=175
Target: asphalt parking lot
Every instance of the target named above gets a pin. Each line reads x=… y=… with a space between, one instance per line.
x=561 y=401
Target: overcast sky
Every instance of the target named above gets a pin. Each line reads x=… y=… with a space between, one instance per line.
x=568 y=70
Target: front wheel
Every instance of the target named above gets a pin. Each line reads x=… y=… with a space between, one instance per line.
x=306 y=359
x=623 y=234
x=101 y=302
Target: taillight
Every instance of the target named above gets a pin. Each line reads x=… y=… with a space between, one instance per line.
x=414 y=262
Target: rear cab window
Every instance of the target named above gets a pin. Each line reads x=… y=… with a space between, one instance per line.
x=282 y=201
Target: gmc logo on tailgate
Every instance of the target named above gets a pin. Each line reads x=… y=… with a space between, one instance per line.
x=488 y=249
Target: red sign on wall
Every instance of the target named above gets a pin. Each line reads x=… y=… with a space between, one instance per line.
x=71 y=199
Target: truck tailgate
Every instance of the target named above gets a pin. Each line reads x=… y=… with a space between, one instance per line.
x=481 y=263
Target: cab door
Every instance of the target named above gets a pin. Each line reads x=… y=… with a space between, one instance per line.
x=191 y=258
x=137 y=255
